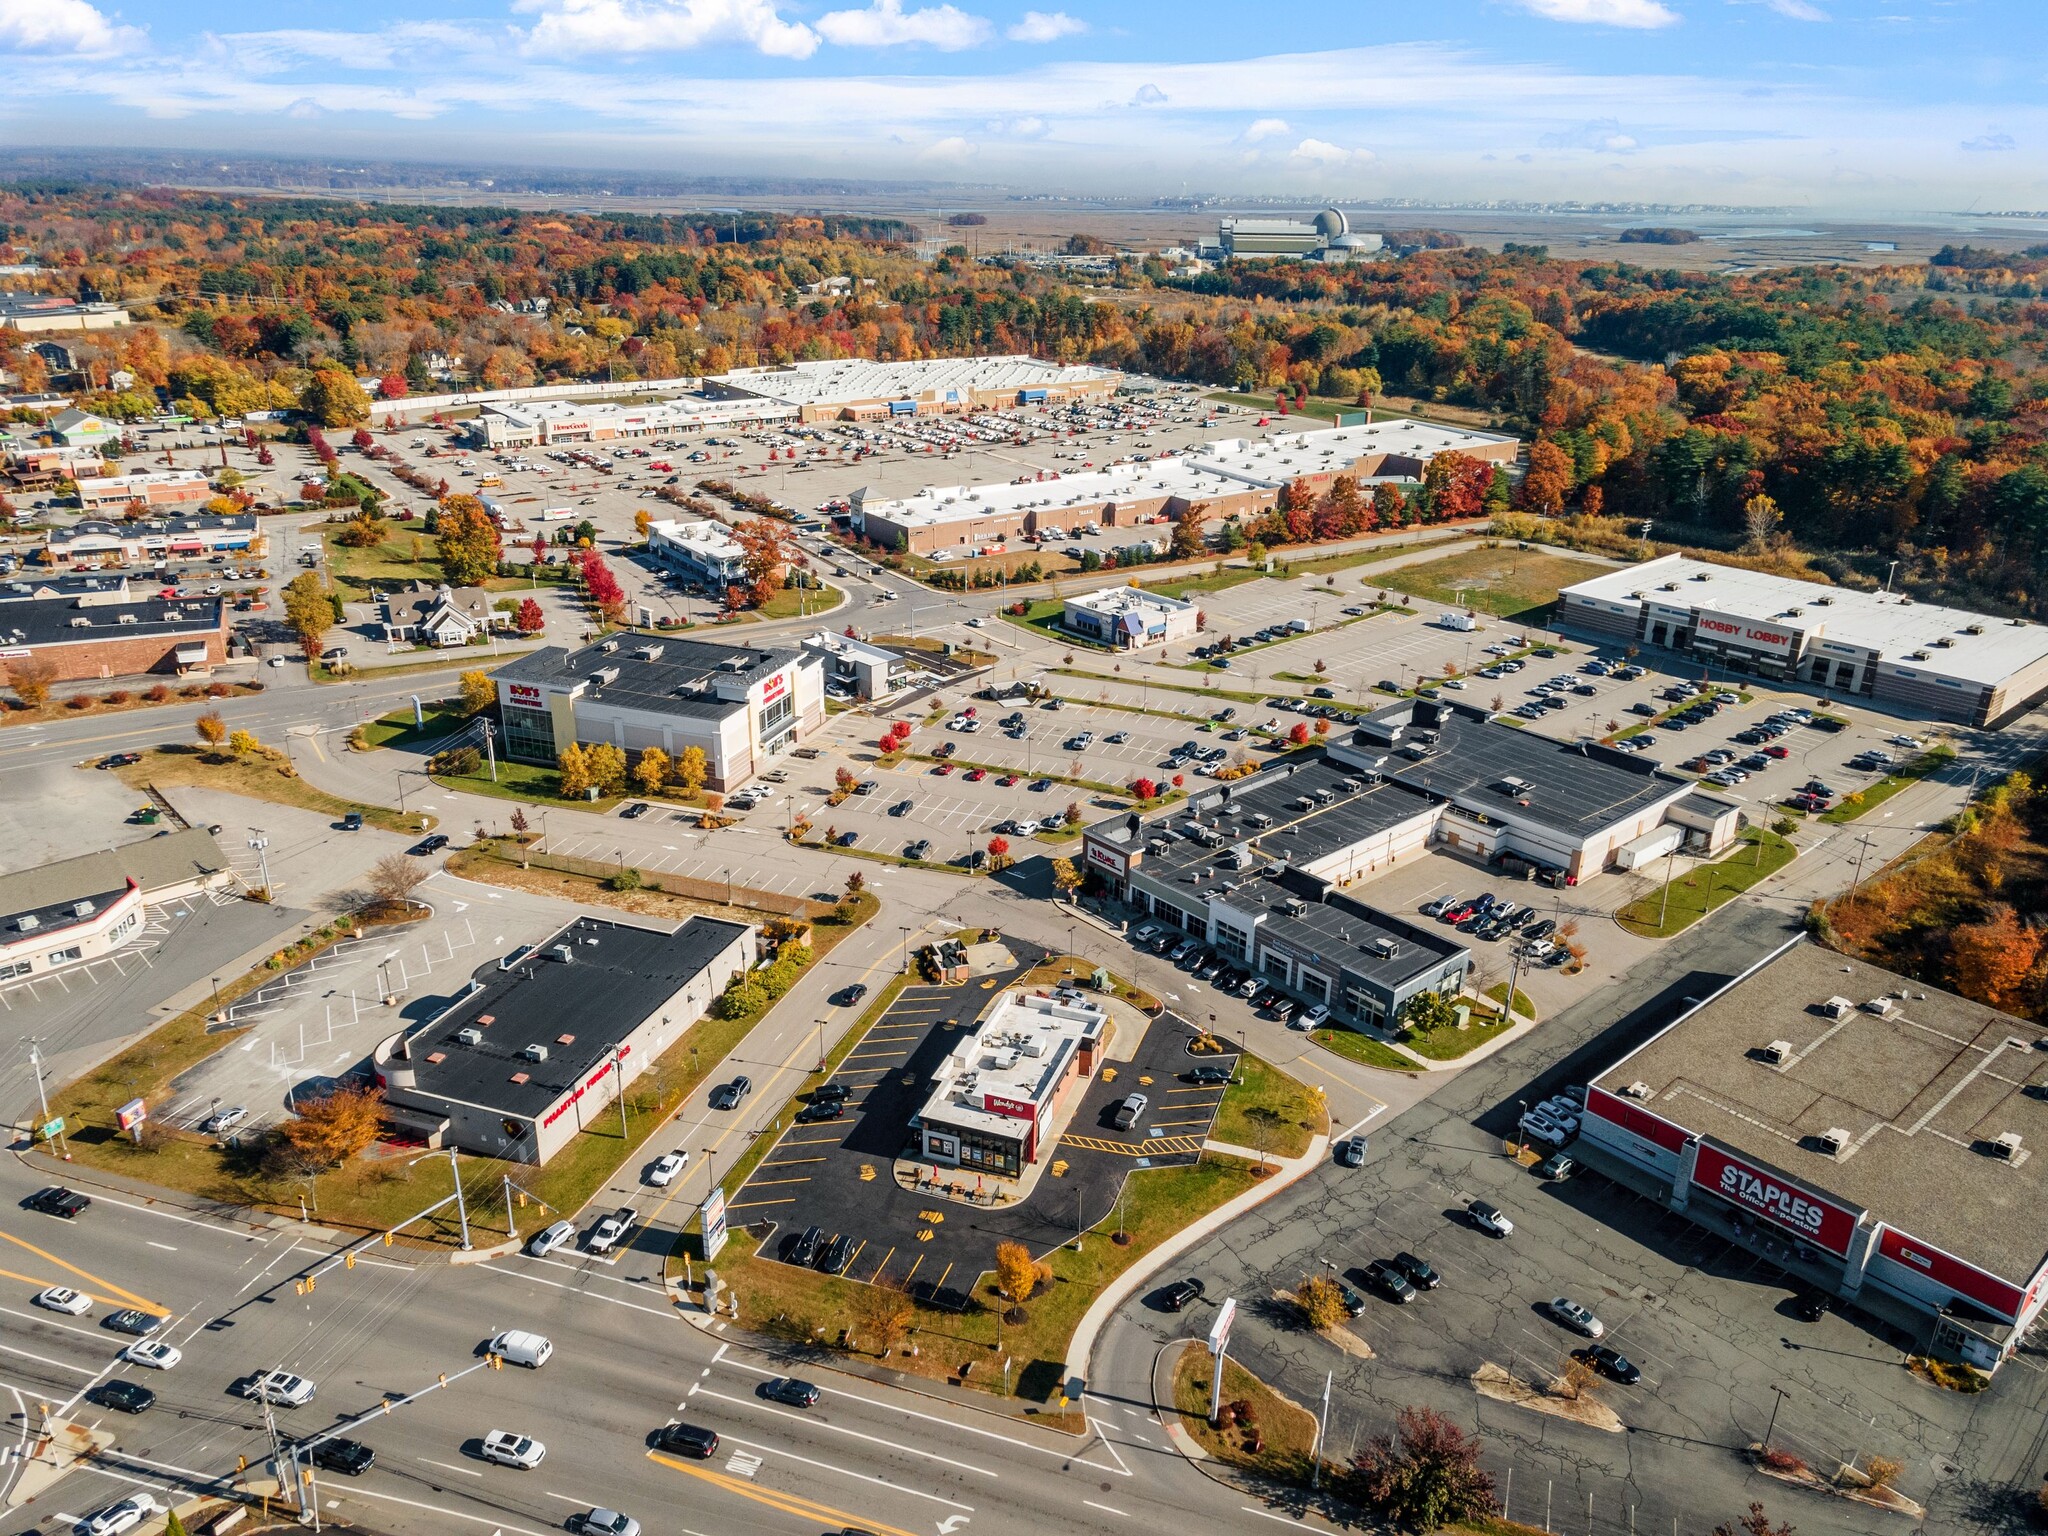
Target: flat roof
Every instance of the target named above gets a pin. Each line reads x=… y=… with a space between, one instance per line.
x=1184 y=475
x=1921 y=1091
x=1344 y=933
x=1019 y=1051
x=1285 y=456
x=617 y=977
x=1572 y=787
x=678 y=678
x=1112 y=601
x=70 y=618
x=1888 y=623
x=154 y=863
x=852 y=379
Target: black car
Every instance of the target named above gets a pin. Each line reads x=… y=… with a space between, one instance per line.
x=120 y=759
x=1040 y=786
x=837 y=1255
x=1389 y=1281
x=805 y=1253
x=124 y=1396
x=634 y=811
x=58 y=1201
x=1182 y=1293
x=837 y=1093
x=1610 y=1362
x=1208 y=1077
x=848 y=839
x=1810 y=1306
x=132 y=1320
x=687 y=1440
x=1354 y=1304
x=428 y=845
x=820 y=1109
x=850 y=995
x=1420 y=1272
x=902 y=808
x=787 y=1389
x=347 y=1456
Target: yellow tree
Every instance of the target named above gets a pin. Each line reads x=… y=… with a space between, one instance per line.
x=1066 y=879
x=1016 y=1272
x=30 y=678
x=573 y=764
x=477 y=691
x=332 y=1129
x=651 y=772
x=211 y=728
x=470 y=544
x=242 y=743
x=692 y=768
x=607 y=767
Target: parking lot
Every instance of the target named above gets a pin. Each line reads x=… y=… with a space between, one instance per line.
x=836 y=1175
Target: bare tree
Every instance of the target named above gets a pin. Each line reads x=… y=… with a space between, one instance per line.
x=394 y=878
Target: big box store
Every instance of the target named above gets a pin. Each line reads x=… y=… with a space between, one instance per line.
x=1871 y=1136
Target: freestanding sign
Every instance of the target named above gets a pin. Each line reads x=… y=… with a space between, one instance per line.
x=130 y=1117
x=1219 y=1341
x=713 y=1211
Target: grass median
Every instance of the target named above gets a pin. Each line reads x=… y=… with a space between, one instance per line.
x=1863 y=801
x=1504 y=580
x=1363 y=1049
x=263 y=775
x=1269 y=1111
x=1685 y=899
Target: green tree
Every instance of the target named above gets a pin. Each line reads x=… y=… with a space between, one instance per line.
x=477 y=691
x=469 y=541
x=1426 y=1012
x=333 y=399
x=309 y=610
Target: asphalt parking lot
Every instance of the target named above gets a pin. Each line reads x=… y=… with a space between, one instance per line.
x=836 y=1175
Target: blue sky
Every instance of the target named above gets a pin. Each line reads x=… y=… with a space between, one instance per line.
x=1834 y=105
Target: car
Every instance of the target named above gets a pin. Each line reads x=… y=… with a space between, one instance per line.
x=58 y=1201
x=976 y=775
x=728 y=1095
x=837 y=1093
x=428 y=845
x=1540 y=930
x=636 y=810
x=1579 y=1319
x=61 y=1298
x=223 y=1120
x=1390 y=1282
x=1610 y=1362
x=837 y=1255
x=608 y=1232
x=509 y=1448
x=687 y=1440
x=666 y=1167
x=609 y=1522
x=804 y=1252
x=281 y=1389
x=1489 y=1218
x=1350 y=1152
x=821 y=1109
x=1315 y=1017
x=123 y=1396
x=120 y=759
x=903 y=807
x=337 y=1454
x=1208 y=1077
x=1117 y=738
x=1354 y=1304
x=1130 y=1111
x=1040 y=786
x=1557 y=1168
x=1420 y=1272
x=134 y=1321
x=154 y=1354
x=1810 y=1306
x=124 y=1515
x=544 y=1242
x=1010 y=779
x=852 y=993
x=791 y=1391
x=1440 y=906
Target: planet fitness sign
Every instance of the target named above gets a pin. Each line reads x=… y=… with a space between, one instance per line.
x=1776 y=1199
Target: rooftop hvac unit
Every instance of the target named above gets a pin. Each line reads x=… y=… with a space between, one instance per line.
x=468 y=1036
x=1973 y=629
x=82 y=909
x=2006 y=1145
x=27 y=922
x=1637 y=1090
x=1386 y=948
x=1778 y=1052
x=562 y=952
x=1837 y=1007
x=1881 y=1006
x=535 y=1052
x=648 y=653
x=1833 y=1140
x=608 y=646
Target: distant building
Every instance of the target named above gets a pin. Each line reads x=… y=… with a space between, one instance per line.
x=546 y=1039
x=81 y=429
x=150 y=488
x=95 y=626
x=859 y=389
x=32 y=313
x=40 y=466
x=545 y=423
x=702 y=549
x=78 y=909
x=1326 y=237
x=160 y=539
x=1129 y=617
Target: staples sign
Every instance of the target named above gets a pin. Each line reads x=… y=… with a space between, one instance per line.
x=523 y=693
x=1743 y=632
x=995 y=1103
x=1776 y=1199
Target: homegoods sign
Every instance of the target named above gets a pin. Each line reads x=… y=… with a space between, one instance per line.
x=1812 y=1217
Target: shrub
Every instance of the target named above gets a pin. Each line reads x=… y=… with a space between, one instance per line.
x=79 y=701
x=157 y=693
x=627 y=879
x=118 y=696
x=218 y=690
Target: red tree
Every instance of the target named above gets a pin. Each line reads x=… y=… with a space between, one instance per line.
x=392 y=386
x=1145 y=789
x=540 y=548
x=362 y=440
x=529 y=620
x=1299 y=735
x=998 y=850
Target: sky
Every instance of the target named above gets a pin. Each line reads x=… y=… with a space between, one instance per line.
x=1822 y=106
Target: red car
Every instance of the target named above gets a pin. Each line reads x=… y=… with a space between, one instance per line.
x=942 y=769
x=1774 y=750
x=1459 y=913
x=1008 y=779
x=976 y=775
x=968 y=711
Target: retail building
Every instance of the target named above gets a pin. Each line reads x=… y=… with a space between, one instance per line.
x=700 y=549
x=1871 y=1136
x=864 y=389
x=1005 y=1093
x=1130 y=617
x=154 y=540
x=96 y=626
x=77 y=910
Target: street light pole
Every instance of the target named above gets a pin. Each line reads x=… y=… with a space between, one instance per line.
x=261 y=843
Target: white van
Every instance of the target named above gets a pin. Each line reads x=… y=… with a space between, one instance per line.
x=527 y=1349
x=548 y=1239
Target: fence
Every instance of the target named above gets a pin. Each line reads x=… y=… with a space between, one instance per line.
x=715 y=892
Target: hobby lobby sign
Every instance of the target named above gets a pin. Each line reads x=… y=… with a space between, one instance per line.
x=1788 y=1205
x=1743 y=630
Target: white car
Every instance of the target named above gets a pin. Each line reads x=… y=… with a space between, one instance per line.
x=125 y=1515
x=158 y=1357
x=1318 y=1014
x=282 y=1389
x=61 y=1298
x=1577 y=1318
x=1490 y=1219
x=510 y=1449
x=666 y=1167
x=1902 y=741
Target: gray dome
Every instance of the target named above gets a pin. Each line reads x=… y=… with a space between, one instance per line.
x=1331 y=224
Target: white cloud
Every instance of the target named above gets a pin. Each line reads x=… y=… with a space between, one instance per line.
x=1606 y=13
x=654 y=26
x=1148 y=95
x=1265 y=128
x=1045 y=27
x=1990 y=143
x=1798 y=10
x=1027 y=126
x=1603 y=134
x=948 y=151
x=62 y=26
x=1322 y=152
x=885 y=24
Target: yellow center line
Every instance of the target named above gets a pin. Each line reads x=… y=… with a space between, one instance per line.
x=129 y=1297
x=789 y=1503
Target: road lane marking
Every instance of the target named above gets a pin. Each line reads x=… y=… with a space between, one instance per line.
x=449 y=1466
x=789 y=1503
x=1106 y=1509
x=129 y=1296
x=61 y=1365
x=616 y=1301
x=490 y=1520
x=856 y=1434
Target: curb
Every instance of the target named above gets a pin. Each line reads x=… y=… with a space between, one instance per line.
x=479 y=1255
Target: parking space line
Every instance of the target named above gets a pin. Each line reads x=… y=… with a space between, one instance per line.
x=793 y=1162
x=738 y=1205
x=881 y=1266
x=771 y=1183
x=1167 y=1125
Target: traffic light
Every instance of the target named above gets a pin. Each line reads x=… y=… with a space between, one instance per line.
x=497 y=1362
x=348 y=1260
x=444 y=1378
x=387 y=1239
x=311 y=1281
x=241 y=1463
x=301 y=1287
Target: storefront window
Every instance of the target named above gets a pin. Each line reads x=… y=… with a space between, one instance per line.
x=529 y=735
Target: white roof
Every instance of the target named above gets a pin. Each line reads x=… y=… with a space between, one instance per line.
x=1892 y=625
x=849 y=379
x=707 y=535
x=1112 y=601
x=1183 y=476
x=1285 y=455
x=1020 y=1051
x=679 y=413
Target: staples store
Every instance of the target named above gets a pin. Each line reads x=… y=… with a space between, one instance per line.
x=1867 y=1136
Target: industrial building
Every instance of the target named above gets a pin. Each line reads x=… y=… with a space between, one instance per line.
x=1129 y=617
x=1869 y=1135
x=546 y=1039
x=1882 y=647
x=96 y=626
x=78 y=909
x=742 y=705
x=1229 y=478
x=34 y=313
x=864 y=389
x=1007 y=1090
x=171 y=538
x=1326 y=237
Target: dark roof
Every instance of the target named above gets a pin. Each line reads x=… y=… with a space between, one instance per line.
x=200 y=522
x=615 y=979
x=1349 y=936
x=682 y=677
x=1922 y=1093
x=1575 y=788
x=27 y=620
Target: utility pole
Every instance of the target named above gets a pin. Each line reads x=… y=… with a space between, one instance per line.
x=35 y=1066
x=490 y=751
x=619 y=1086
x=261 y=844
x=1775 y=1406
x=1315 y=1455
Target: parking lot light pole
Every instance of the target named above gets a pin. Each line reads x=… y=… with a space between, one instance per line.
x=1775 y=1406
